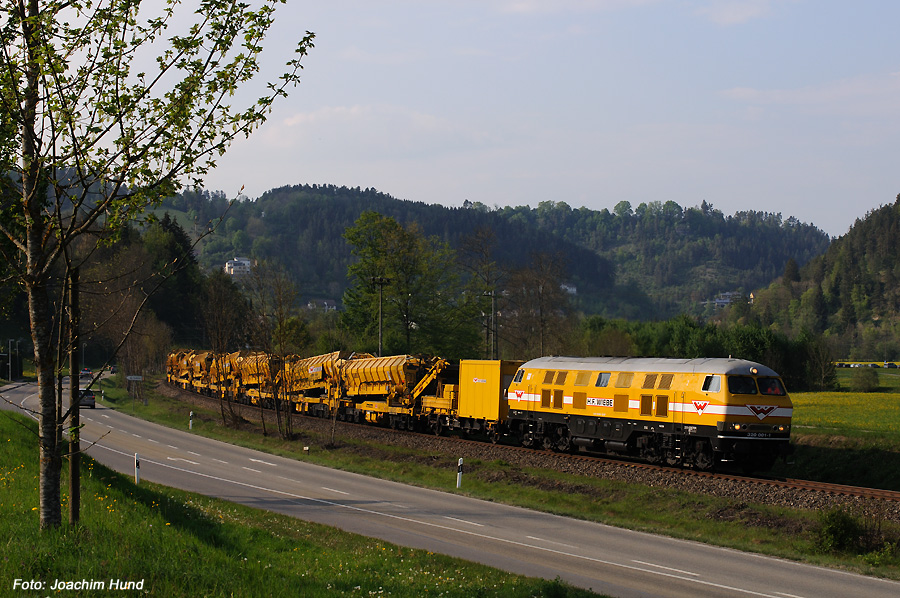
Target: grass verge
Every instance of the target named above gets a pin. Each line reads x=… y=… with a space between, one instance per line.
x=179 y=544
x=788 y=533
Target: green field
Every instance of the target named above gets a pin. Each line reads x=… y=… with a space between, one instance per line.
x=848 y=437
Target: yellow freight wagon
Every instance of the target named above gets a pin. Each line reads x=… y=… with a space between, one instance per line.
x=482 y=403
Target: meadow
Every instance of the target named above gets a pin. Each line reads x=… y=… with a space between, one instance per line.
x=848 y=437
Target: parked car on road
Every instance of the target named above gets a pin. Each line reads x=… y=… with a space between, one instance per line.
x=86 y=373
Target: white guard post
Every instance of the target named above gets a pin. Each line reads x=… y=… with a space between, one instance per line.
x=137 y=469
x=459 y=474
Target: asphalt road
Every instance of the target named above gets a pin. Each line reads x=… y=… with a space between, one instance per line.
x=609 y=560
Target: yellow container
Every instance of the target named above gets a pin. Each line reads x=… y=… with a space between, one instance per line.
x=482 y=388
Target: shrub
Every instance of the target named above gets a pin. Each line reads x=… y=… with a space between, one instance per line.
x=839 y=531
x=864 y=379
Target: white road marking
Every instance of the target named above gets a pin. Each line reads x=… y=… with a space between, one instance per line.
x=195 y=454
x=180 y=459
x=153 y=441
x=335 y=491
x=549 y=541
x=172 y=447
x=253 y=470
x=220 y=461
x=263 y=462
x=104 y=415
x=788 y=595
x=666 y=568
x=463 y=521
x=135 y=435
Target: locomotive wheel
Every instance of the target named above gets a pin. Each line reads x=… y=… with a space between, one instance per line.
x=564 y=444
x=548 y=443
x=528 y=440
x=703 y=458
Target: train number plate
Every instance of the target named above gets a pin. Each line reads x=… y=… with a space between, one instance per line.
x=594 y=402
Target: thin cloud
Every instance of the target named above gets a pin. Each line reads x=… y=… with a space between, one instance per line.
x=867 y=95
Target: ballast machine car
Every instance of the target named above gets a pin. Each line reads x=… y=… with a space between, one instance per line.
x=691 y=412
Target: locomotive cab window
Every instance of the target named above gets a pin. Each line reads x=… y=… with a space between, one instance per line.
x=519 y=376
x=741 y=385
x=603 y=380
x=771 y=386
x=712 y=384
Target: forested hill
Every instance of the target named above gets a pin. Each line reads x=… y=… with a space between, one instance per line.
x=851 y=293
x=652 y=261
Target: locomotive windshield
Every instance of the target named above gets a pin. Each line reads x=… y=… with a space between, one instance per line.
x=746 y=385
x=741 y=385
x=771 y=386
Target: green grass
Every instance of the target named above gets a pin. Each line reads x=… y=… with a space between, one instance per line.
x=185 y=545
x=782 y=532
x=848 y=437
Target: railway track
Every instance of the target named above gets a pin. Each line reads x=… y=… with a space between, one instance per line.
x=785 y=483
x=803 y=494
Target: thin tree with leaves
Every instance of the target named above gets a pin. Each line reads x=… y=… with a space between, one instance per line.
x=106 y=112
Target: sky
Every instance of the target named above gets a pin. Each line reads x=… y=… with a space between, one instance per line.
x=780 y=106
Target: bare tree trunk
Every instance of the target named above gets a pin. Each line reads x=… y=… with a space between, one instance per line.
x=48 y=424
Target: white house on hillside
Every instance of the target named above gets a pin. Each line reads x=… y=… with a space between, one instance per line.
x=238 y=267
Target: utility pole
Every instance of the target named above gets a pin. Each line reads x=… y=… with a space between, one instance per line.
x=491 y=343
x=380 y=282
x=495 y=343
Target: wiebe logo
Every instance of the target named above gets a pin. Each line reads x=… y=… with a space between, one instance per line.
x=520 y=394
x=700 y=406
x=761 y=411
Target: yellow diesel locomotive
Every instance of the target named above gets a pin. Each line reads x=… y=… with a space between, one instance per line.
x=696 y=412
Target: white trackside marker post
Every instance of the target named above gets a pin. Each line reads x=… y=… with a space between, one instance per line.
x=191 y=421
x=459 y=474
x=137 y=469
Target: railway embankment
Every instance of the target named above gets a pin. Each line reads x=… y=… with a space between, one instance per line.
x=495 y=463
